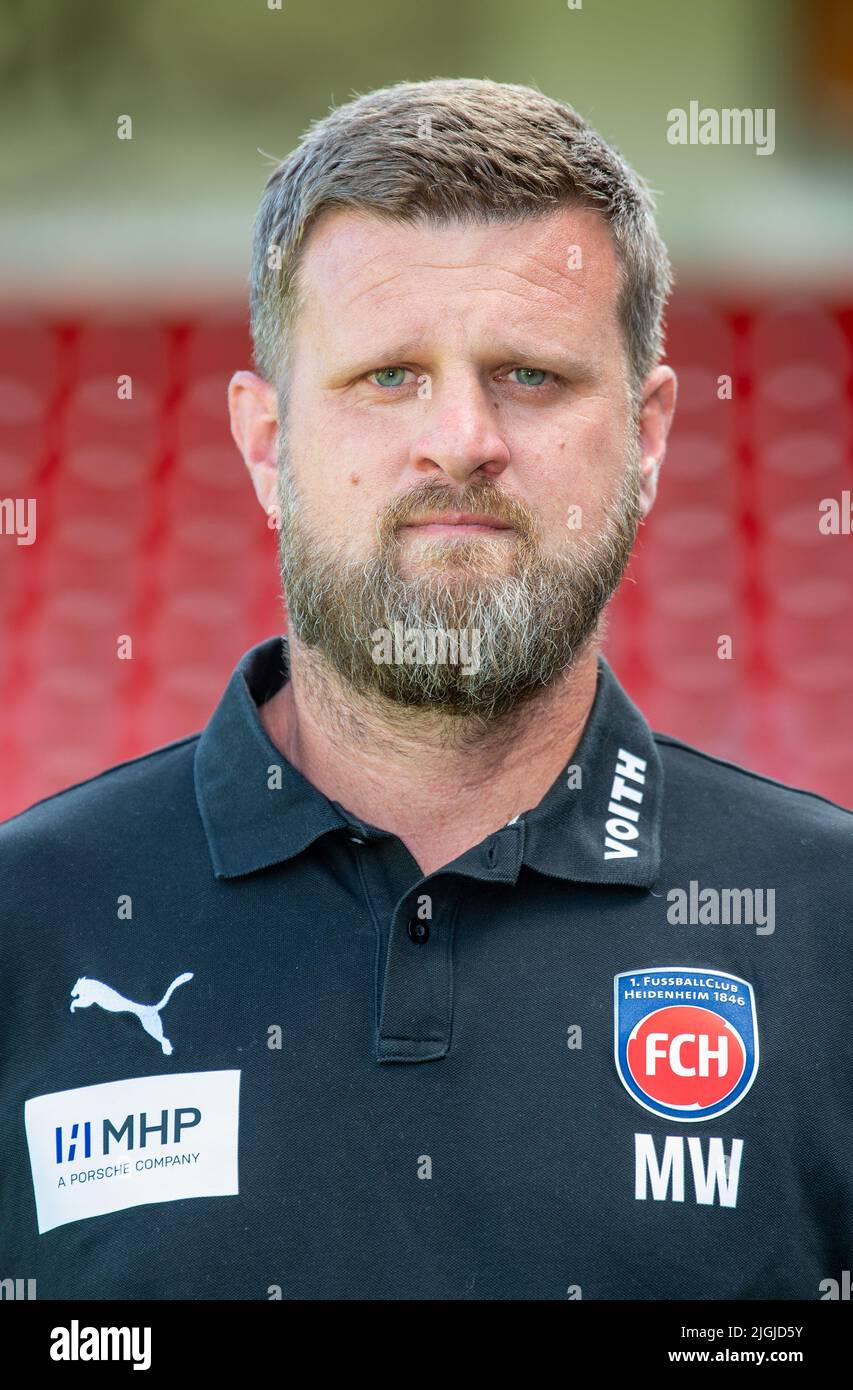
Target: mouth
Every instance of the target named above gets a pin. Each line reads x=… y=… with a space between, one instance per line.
x=457 y=523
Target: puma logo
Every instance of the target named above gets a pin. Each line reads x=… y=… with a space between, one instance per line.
x=87 y=992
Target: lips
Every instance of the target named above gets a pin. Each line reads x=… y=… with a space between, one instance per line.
x=467 y=519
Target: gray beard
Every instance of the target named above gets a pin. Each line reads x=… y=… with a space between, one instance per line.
x=464 y=636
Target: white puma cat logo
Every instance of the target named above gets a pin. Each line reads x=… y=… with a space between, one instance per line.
x=87 y=992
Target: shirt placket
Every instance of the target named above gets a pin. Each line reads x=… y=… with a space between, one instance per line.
x=415 y=998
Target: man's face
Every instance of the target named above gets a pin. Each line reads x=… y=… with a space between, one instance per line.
x=445 y=373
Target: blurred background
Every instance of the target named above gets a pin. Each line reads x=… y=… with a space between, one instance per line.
x=131 y=257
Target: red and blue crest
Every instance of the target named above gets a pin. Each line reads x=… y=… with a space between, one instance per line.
x=686 y=1039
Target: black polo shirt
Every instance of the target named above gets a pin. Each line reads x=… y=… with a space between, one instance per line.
x=248 y=1049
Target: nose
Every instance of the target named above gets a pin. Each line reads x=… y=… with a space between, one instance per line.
x=461 y=431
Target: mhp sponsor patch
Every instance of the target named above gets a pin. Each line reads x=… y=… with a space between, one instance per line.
x=121 y=1144
x=686 y=1039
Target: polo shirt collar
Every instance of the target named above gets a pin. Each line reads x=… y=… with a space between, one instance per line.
x=258 y=810
x=256 y=807
x=600 y=821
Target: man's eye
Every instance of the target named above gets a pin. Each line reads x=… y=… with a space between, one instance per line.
x=531 y=376
x=381 y=377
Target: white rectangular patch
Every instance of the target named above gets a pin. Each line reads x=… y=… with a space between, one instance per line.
x=124 y=1143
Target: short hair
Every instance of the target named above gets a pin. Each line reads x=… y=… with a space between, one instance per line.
x=455 y=148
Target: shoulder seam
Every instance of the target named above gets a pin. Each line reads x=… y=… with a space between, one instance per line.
x=746 y=771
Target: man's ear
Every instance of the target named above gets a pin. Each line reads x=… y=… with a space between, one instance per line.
x=253 y=408
x=658 y=407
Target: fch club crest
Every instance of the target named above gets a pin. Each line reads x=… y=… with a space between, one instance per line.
x=686 y=1039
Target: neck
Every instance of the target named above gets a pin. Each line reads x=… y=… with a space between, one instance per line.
x=440 y=783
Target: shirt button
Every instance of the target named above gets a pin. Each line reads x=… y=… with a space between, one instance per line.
x=357 y=840
x=418 y=930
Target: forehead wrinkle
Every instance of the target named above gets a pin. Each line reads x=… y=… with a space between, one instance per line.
x=550 y=235
x=369 y=289
x=548 y=319
x=553 y=300
x=558 y=278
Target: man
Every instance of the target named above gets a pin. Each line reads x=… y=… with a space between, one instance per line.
x=428 y=971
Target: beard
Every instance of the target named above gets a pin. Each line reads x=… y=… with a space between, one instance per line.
x=470 y=627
